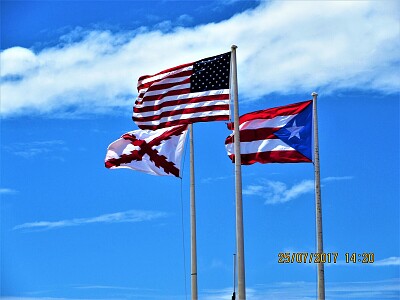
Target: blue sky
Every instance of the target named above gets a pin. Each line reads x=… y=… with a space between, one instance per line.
x=72 y=229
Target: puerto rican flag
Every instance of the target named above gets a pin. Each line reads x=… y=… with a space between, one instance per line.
x=276 y=135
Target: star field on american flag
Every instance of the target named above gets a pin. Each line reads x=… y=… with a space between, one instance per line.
x=211 y=73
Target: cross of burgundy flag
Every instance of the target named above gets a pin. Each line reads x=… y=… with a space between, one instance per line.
x=156 y=152
x=188 y=93
x=276 y=135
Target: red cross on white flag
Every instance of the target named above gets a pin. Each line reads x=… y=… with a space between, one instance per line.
x=156 y=152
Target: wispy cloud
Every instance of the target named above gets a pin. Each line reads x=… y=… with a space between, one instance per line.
x=104 y=287
x=391 y=261
x=50 y=148
x=381 y=289
x=112 y=287
x=254 y=190
x=119 y=217
x=292 y=42
x=275 y=192
x=278 y=192
x=37 y=298
x=213 y=179
x=329 y=179
x=289 y=290
x=302 y=290
x=6 y=191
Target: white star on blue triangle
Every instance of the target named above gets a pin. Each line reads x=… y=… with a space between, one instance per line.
x=297 y=133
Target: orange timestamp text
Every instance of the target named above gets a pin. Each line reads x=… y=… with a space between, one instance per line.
x=318 y=258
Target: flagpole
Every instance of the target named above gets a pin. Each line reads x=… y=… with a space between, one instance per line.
x=238 y=179
x=234 y=277
x=318 y=207
x=193 y=246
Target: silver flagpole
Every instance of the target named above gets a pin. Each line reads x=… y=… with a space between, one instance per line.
x=193 y=246
x=234 y=277
x=238 y=178
x=318 y=207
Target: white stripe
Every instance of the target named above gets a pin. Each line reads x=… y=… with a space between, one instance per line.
x=276 y=122
x=185 y=117
x=163 y=91
x=260 y=146
x=170 y=80
x=164 y=81
x=182 y=97
x=182 y=106
x=160 y=76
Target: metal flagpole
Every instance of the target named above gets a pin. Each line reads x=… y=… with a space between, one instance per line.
x=193 y=246
x=238 y=178
x=234 y=277
x=318 y=208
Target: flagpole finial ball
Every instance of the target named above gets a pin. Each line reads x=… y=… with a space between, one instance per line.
x=233 y=47
x=314 y=94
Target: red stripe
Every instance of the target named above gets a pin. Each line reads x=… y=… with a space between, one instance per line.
x=165 y=71
x=251 y=135
x=180 y=102
x=169 y=93
x=287 y=110
x=182 y=73
x=186 y=73
x=181 y=112
x=272 y=157
x=185 y=121
x=165 y=86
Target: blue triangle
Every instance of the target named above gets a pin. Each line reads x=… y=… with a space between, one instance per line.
x=297 y=133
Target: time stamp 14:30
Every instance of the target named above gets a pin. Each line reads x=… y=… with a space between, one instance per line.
x=331 y=257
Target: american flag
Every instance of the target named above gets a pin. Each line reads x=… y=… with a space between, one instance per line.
x=276 y=135
x=189 y=93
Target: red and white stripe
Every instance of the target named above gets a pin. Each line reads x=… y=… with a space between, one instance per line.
x=165 y=100
x=257 y=140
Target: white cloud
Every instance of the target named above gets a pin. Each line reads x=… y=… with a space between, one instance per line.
x=28 y=298
x=332 y=178
x=278 y=192
x=212 y=179
x=290 y=290
x=284 y=47
x=184 y=19
x=109 y=287
x=253 y=190
x=275 y=192
x=119 y=217
x=50 y=148
x=381 y=289
x=17 y=61
x=302 y=290
x=391 y=261
x=37 y=298
x=4 y=191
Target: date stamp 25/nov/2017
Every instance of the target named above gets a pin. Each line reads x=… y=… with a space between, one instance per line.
x=330 y=257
